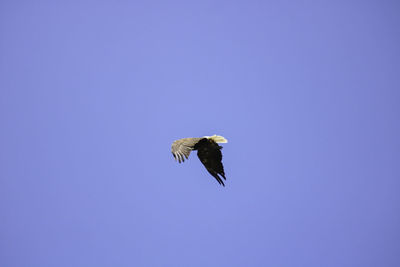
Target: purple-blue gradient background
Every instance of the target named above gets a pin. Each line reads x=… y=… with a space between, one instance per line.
x=92 y=94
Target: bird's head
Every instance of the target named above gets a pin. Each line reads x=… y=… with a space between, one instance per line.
x=217 y=138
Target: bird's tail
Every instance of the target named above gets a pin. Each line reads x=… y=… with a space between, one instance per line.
x=217 y=138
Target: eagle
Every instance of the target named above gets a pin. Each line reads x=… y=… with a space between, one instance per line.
x=208 y=151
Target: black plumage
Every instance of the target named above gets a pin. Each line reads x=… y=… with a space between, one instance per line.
x=209 y=153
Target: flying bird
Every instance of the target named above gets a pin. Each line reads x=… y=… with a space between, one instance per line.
x=208 y=151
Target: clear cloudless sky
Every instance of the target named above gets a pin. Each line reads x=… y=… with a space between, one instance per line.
x=93 y=93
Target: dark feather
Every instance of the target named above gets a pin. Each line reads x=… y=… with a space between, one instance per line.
x=209 y=153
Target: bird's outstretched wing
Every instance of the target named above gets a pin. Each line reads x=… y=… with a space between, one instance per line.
x=181 y=148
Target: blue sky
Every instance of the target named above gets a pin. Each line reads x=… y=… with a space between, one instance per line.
x=93 y=93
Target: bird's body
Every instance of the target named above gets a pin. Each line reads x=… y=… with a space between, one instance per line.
x=208 y=151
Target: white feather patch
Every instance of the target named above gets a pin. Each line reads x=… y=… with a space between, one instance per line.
x=217 y=138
